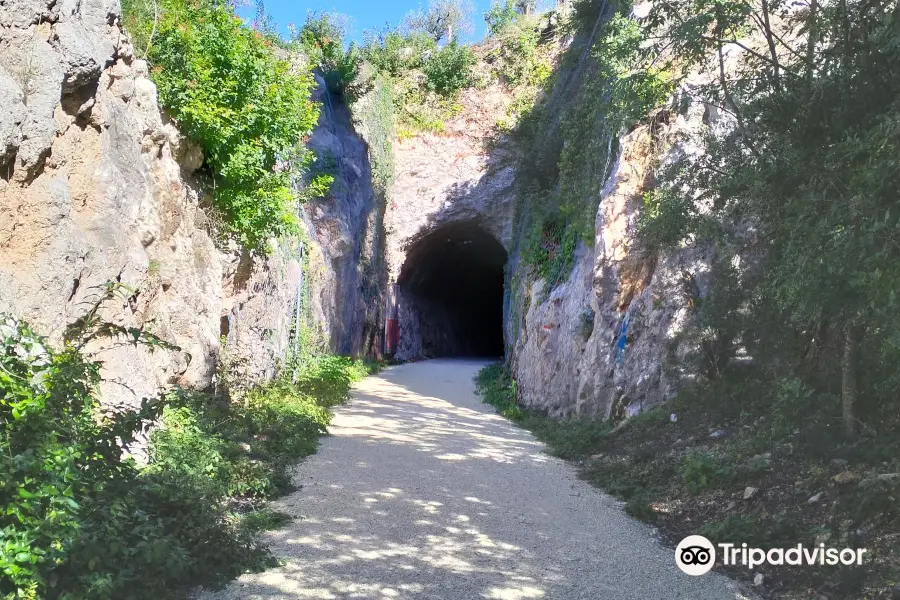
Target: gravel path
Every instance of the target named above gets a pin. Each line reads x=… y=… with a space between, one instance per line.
x=422 y=492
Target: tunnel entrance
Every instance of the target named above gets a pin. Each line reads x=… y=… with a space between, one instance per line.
x=451 y=286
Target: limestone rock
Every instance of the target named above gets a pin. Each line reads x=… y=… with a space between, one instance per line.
x=643 y=340
x=846 y=478
x=93 y=190
x=11 y=123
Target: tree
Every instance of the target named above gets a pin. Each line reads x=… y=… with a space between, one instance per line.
x=500 y=15
x=443 y=20
x=322 y=40
x=810 y=166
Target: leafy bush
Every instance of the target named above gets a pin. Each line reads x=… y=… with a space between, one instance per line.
x=322 y=40
x=501 y=15
x=499 y=390
x=421 y=79
x=247 y=108
x=80 y=520
x=664 y=218
x=518 y=58
x=449 y=70
x=395 y=53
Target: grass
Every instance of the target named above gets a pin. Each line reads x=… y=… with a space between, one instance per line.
x=688 y=475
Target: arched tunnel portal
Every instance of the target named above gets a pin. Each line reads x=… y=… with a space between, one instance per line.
x=451 y=293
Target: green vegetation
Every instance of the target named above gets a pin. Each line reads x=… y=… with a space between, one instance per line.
x=81 y=518
x=808 y=163
x=425 y=79
x=516 y=53
x=442 y=20
x=568 y=138
x=448 y=70
x=229 y=92
x=690 y=474
x=322 y=41
x=500 y=16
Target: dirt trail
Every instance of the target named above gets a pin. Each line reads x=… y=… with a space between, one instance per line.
x=423 y=492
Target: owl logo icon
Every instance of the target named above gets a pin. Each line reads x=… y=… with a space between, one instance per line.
x=695 y=555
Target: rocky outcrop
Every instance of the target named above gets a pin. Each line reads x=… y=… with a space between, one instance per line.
x=619 y=335
x=462 y=175
x=96 y=190
x=346 y=262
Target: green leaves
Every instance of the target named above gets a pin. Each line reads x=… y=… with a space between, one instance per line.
x=248 y=109
x=449 y=69
x=80 y=521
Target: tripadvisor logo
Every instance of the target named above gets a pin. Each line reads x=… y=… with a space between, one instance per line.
x=696 y=555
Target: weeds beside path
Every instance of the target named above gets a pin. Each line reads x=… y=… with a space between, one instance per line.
x=81 y=520
x=739 y=467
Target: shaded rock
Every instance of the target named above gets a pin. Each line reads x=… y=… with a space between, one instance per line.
x=11 y=124
x=880 y=479
x=102 y=198
x=846 y=478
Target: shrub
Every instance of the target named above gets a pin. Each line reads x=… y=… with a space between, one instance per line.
x=449 y=70
x=499 y=390
x=247 y=108
x=322 y=40
x=518 y=57
x=700 y=470
x=500 y=15
x=80 y=520
x=414 y=83
x=395 y=53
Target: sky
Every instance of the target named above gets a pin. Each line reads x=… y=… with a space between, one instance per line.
x=365 y=14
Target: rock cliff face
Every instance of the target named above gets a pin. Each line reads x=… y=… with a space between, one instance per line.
x=96 y=187
x=346 y=268
x=619 y=335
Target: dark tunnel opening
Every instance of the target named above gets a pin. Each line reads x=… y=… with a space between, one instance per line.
x=452 y=283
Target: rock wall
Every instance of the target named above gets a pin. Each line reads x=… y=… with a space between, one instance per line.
x=346 y=267
x=459 y=174
x=96 y=187
x=619 y=336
